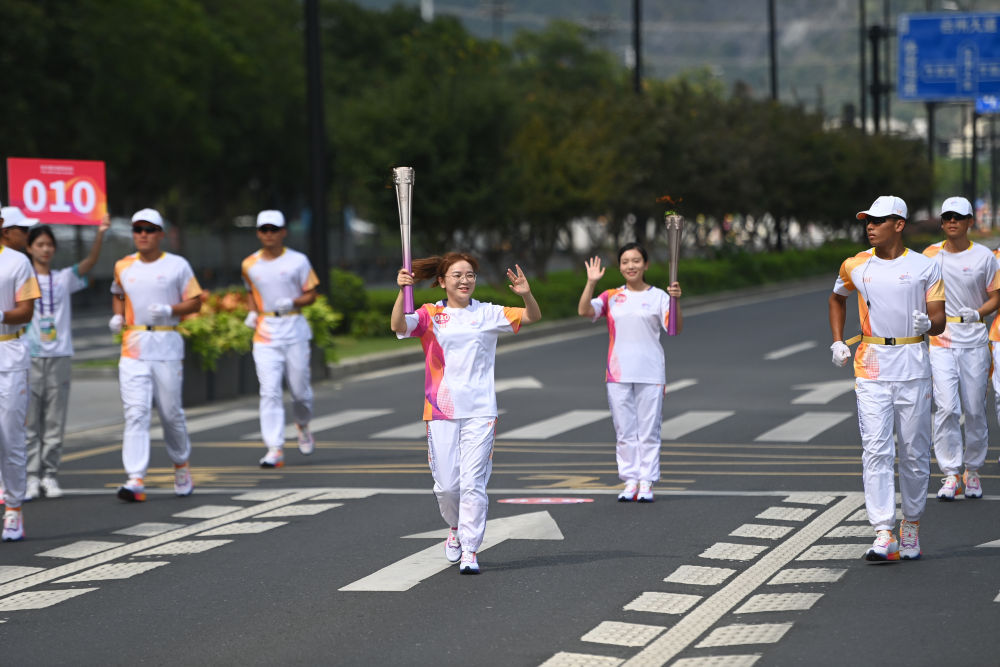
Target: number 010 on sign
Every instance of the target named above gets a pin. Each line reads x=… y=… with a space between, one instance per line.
x=58 y=191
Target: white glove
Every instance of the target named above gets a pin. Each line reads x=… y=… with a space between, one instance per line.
x=841 y=353
x=969 y=314
x=251 y=320
x=921 y=323
x=160 y=311
x=282 y=306
x=115 y=323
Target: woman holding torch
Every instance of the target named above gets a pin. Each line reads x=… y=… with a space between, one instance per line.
x=635 y=374
x=459 y=337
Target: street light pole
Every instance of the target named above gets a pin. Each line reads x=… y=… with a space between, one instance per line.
x=772 y=48
x=637 y=45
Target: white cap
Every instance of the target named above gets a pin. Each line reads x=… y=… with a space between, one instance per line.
x=150 y=215
x=958 y=205
x=883 y=206
x=270 y=217
x=14 y=217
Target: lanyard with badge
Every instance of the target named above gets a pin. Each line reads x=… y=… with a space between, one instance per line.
x=47 y=320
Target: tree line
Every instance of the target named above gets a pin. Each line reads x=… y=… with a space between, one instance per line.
x=198 y=107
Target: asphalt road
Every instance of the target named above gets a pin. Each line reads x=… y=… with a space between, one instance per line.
x=751 y=550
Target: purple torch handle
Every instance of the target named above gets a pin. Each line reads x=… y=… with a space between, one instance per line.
x=402 y=178
x=672 y=322
x=673 y=222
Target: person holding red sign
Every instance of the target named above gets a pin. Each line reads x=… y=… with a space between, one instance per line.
x=281 y=282
x=459 y=337
x=151 y=291
x=50 y=340
x=16 y=227
x=18 y=291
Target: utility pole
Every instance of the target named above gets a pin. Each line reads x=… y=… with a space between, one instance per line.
x=974 y=167
x=887 y=86
x=874 y=35
x=637 y=45
x=773 y=50
x=317 y=144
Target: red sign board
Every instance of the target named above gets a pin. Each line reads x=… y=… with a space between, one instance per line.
x=68 y=192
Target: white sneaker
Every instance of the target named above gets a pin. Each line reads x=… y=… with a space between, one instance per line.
x=452 y=547
x=275 y=458
x=973 y=487
x=306 y=441
x=950 y=486
x=629 y=492
x=885 y=547
x=32 y=490
x=132 y=491
x=645 y=494
x=909 y=540
x=469 y=563
x=183 y=483
x=13 y=526
x=51 y=488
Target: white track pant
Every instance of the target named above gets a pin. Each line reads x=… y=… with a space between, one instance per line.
x=13 y=457
x=960 y=377
x=637 y=412
x=460 y=454
x=142 y=382
x=885 y=406
x=273 y=362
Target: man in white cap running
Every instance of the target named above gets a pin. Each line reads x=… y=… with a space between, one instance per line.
x=900 y=298
x=18 y=291
x=151 y=291
x=280 y=282
x=960 y=356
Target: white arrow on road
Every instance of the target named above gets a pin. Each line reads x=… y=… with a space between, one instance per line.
x=526 y=382
x=406 y=573
x=994 y=543
x=821 y=393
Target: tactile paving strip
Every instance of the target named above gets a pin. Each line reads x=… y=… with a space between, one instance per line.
x=778 y=602
x=39 y=599
x=262 y=494
x=299 y=510
x=148 y=529
x=719 y=661
x=851 y=531
x=834 y=552
x=12 y=572
x=663 y=603
x=862 y=515
x=113 y=571
x=807 y=575
x=729 y=551
x=182 y=547
x=761 y=531
x=80 y=549
x=207 y=511
x=700 y=576
x=565 y=659
x=244 y=528
x=809 y=498
x=345 y=494
x=786 y=513
x=740 y=634
x=623 y=634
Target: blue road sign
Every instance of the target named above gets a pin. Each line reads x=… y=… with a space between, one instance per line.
x=988 y=104
x=946 y=57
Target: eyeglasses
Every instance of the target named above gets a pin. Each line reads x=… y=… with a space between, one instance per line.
x=268 y=229
x=458 y=276
x=873 y=220
x=145 y=229
x=948 y=217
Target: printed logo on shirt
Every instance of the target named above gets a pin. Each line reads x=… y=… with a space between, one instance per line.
x=620 y=298
x=905 y=279
x=441 y=319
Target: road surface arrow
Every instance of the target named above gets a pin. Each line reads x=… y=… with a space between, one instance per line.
x=406 y=573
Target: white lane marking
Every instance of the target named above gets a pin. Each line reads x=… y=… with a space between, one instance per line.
x=209 y=422
x=526 y=382
x=804 y=427
x=663 y=603
x=994 y=543
x=821 y=393
x=698 y=575
x=692 y=420
x=786 y=513
x=705 y=615
x=113 y=571
x=730 y=551
x=263 y=494
x=11 y=572
x=67 y=569
x=758 y=531
x=720 y=661
x=148 y=529
x=244 y=528
x=80 y=549
x=997 y=598
x=677 y=385
x=207 y=511
x=623 y=634
x=567 y=659
x=406 y=573
x=411 y=431
x=739 y=635
x=183 y=547
x=352 y=494
x=807 y=575
x=809 y=498
x=789 y=350
x=552 y=426
x=778 y=602
x=40 y=599
x=327 y=422
x=834 y=552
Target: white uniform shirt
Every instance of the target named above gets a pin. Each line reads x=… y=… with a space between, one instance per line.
x=460 y=346
x=50 y=333
x=287 y=276
x=168 y=280
x=888 y=293
x=17 y=283
x=634 y=323
x=968 y=277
